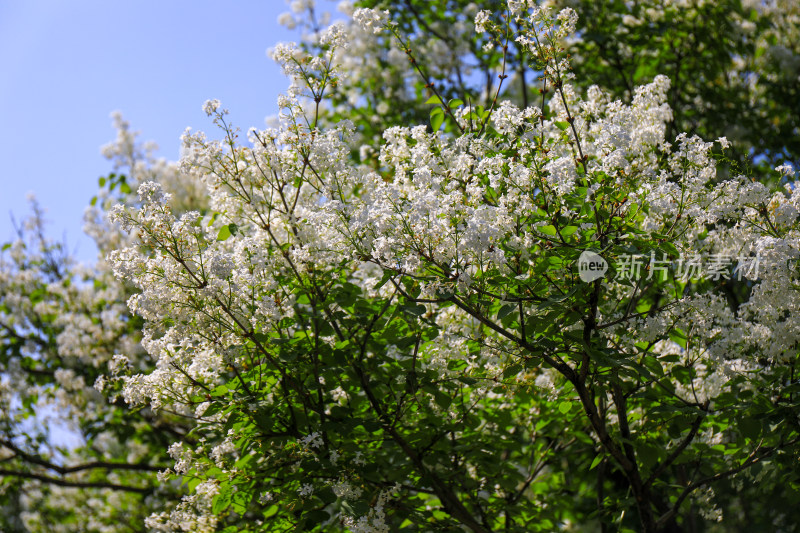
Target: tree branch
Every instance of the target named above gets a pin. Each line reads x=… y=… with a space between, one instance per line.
x=77 y=484
x=37 y=460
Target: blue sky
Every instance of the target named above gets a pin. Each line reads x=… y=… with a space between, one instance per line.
x=67 y=64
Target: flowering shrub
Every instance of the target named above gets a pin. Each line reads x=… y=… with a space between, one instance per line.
x=400 y=335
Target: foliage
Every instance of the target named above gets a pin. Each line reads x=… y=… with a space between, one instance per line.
x=733 y=65
x=374 y=316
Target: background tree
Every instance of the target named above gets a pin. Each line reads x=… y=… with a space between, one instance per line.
x=734 y=65
x=62 y=325
x=342 y=360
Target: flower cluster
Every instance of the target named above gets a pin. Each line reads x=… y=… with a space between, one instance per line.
x=341 y=328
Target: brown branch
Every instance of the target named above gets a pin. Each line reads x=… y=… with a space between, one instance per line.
x=553 y=361
x=428 y=83
x=676 y=452
x=752 y=459
x=37 y=460
x=449 y=499
x=77 y=484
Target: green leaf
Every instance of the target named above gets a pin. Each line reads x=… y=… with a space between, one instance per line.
x=512 y=371
x=548 y=230
x=222 y=500
x=224 y=233
x=220 y=391
x=442 y=400
x=455 y=103
x=240 y=500
x=648 y=455
x=315 y=517
x=562 y=125
x=597 y=459
x=434 y=100
x=564 y=407
x=505 y=310
x=387 y=275
x=569 y=230
x=437 y=118
x=750 y=427
x=417 y=310
x=227 y=231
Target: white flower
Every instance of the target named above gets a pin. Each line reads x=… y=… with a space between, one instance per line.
x=100 y=383
x=346 y=491
x=516 y=6
x=481 y=19
x=210 y=106
x=785 y=169
x=568 y=19
x=314 y=440
x=346 y=7
x=118 y=363
x=287 y=20
x=298 y=6
x=371 y=19
x=629 y=20
x=151 y=192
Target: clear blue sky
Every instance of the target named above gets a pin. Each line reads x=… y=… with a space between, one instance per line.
x=65 y=65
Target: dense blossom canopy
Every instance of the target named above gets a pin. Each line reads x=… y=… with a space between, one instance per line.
x=412 y=304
